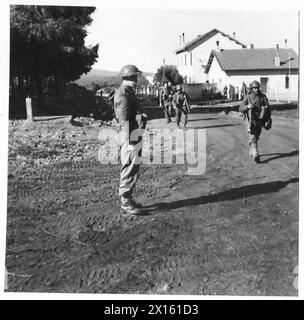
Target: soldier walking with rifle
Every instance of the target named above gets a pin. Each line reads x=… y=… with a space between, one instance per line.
x=256 y=110
x=181 y=105
x=165 y=101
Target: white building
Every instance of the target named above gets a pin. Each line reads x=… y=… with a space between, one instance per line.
x=150 y=78
x=275 y=68
x=192 y=57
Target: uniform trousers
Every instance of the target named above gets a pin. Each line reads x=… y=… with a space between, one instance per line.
x=130 y=161
x=179 y=112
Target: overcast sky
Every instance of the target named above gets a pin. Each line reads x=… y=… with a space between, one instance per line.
x=145 y=37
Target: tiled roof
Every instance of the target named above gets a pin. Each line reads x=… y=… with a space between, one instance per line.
x=203 y=38
x=252 y=59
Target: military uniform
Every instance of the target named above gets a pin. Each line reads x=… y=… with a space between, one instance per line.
x=258 y=117
x=181 y=105
x=126 y=107
x=166 y=102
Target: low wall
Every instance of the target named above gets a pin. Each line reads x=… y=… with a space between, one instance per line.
x=193 y=90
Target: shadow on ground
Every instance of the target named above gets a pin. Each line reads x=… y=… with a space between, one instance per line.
x=278 y=155
x=200 y=119
x=219 y=125
x=228 y=195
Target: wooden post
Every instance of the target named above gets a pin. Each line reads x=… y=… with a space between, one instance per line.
x=29 y=109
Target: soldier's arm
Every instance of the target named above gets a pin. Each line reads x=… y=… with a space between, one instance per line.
x=266 y=102
x=121 y=109
x=187 y=104
x=244 y=105
x=122 y=115
x=160 y=99
x=174 y=101
x=268 y=108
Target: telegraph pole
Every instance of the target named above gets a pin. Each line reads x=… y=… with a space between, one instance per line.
x=164 y=62
x=299 y=62
x=289 y=80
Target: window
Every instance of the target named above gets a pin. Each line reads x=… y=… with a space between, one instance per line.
x=191 y=58
x=287 y=82
x=185 y=59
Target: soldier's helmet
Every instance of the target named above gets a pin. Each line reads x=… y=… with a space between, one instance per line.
x=254 y=84
x=129 y=70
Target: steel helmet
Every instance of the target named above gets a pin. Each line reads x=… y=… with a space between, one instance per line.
x=254 y=84
x=129 y=70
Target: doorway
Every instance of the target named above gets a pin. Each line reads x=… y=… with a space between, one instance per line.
x=264 y=85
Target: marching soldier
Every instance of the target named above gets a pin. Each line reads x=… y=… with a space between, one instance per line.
x=181 y=105
x=165 y=100
x=130 y=117
x=256 y=109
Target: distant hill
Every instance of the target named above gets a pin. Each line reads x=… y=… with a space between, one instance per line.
x=102 y=77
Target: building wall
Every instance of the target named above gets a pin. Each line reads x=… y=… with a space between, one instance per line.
x=150 y=79
x=276 y=81
x=194 y=72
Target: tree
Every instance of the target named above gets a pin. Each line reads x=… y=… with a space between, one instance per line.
x=47 y=44
x=168 y=73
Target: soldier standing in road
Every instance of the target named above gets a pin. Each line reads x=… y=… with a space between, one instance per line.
x=225 y=91
x=237 y=94
x=256 y=108
x=243 y=90
x=165 y=101
x=130 y=117
x=181 y=105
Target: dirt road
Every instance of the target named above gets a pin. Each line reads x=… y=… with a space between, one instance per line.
x=230 y=231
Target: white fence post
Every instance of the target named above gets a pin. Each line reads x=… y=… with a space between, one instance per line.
x=29 y=109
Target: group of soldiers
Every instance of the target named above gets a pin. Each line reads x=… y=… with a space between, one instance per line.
x=130 y=117
x=235 y=93
x=174 y=100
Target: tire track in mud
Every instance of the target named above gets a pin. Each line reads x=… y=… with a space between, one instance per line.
x=140 y=245
x=179 y=274
x=91 y=247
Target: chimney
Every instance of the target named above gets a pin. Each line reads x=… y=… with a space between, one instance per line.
x=183 y=38
x=217 y=45
x=234 y=35
x=277 y=58
x=180 y=41
x=286 y=45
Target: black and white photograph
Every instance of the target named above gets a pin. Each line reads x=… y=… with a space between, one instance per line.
x=151 y=150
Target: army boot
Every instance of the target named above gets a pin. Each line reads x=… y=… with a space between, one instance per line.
x=128 y=206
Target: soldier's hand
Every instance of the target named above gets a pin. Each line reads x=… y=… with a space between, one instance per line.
x=131 y=147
